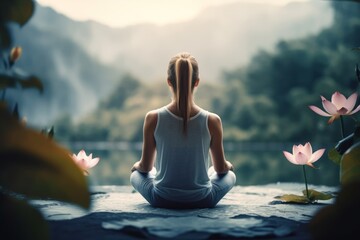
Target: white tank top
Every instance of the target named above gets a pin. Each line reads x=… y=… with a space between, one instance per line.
x=182 y=160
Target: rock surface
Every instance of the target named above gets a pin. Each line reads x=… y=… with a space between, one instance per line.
x=118 y=212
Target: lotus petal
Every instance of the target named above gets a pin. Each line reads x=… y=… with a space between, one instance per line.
x=351 y=101
x=295 y=150
x=290 y=157
x=307 y=150
x=356 y=110
x=342 y=111
x=92 y=162
x=316 y=155
x=338 y=100
x=318 y=110
x=329 y=107
x=301 y=158
x=82 y=154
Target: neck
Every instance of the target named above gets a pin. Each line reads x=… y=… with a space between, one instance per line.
x=173 y=102
x=172 y=106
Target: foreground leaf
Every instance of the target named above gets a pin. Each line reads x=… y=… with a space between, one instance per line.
x=292 y=198
x=350 y=165
x=34 y=165
x=339 y=220
x=20 y=220
x=19 y=11
x=334 y=156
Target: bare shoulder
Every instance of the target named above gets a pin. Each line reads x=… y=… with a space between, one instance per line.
x=152 y=114
x=214 y=122
x=151 y=117
x=214 y=118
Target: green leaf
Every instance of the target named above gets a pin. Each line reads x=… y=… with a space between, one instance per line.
x=292 y=198
x=315 y=195
x=36 y=166
x=334 y=156
x=350 y=165
x=19 y=11
x=20 y=220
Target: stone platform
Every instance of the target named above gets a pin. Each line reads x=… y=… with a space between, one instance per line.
x=246 y=212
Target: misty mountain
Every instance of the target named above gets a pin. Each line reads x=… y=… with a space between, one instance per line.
x=74 y=81
x=80 y=62
x=220 y=37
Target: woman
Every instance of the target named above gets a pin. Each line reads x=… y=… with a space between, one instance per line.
x=180 y=136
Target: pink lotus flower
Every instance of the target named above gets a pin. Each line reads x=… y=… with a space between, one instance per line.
x=85 y=162
x=338 y=106
x=303 y=155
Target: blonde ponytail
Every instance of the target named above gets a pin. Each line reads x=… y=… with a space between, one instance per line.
x=183 y=73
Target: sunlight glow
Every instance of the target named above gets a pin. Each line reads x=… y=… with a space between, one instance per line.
x=120 y=13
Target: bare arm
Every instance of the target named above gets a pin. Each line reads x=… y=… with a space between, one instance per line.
x=146 y=162
x=221 y=165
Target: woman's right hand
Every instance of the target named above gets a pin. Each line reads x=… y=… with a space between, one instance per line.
x=221 y=165
x=135 y=166
x=230 y=166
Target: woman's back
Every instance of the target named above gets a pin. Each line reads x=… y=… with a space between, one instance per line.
x=182 y=160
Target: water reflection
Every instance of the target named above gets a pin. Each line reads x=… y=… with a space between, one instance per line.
x=255 y=163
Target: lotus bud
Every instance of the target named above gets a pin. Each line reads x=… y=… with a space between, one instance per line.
x=15 y=54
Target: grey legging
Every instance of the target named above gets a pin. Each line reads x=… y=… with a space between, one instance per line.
x=221 y=184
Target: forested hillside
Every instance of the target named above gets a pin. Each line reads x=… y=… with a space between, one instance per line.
x=274 y=91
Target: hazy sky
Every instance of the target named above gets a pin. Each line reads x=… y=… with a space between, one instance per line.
x=119 y=13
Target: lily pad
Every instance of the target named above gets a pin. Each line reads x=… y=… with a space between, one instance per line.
x=292 y=198
x=315 y=195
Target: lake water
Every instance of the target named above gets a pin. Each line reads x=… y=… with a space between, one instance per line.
x=255 y=163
